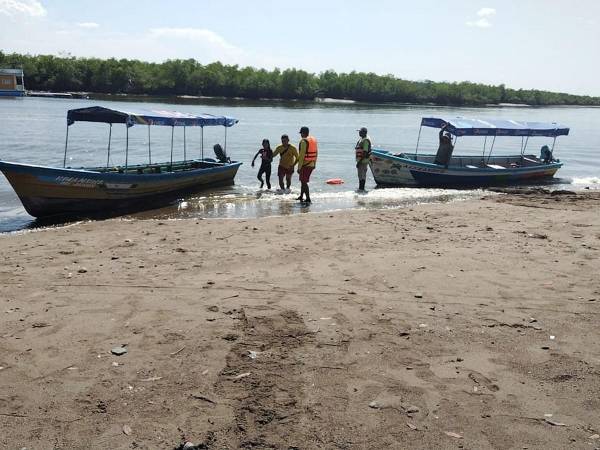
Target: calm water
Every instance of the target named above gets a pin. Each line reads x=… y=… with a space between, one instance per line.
x=32 y=130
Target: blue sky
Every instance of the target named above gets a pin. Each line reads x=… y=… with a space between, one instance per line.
x=544 y=44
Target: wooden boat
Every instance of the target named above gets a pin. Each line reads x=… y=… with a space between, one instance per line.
x=414 y=169
x=50 y=191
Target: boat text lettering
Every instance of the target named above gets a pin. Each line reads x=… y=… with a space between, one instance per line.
x=76 y=181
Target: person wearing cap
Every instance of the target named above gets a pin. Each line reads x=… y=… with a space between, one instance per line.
x=288 y=157
x=363 y=156
x=445 y=148
x=307 y=160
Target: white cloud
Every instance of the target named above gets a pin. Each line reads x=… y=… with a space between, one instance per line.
x=88 y=25
x=193 y=34
x=481 y=23
x=201 y=44
x=31 y=8
x=486 y=12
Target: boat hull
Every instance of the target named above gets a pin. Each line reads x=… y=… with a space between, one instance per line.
x=47 y=191
x=11 y=93
x=394 y=170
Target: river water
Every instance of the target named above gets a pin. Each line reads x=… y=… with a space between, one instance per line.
x=32 y=130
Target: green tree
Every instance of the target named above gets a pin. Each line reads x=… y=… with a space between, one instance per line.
x=179 y=77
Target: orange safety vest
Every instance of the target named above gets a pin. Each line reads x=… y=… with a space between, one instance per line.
x=311 y=151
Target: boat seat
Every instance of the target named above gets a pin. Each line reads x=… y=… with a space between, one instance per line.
x=495 y=166
x=531 y=160
x=469 y=166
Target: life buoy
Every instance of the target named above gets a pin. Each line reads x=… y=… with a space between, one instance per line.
x=335 y=181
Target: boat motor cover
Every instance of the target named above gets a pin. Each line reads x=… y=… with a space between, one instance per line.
x=220 y=154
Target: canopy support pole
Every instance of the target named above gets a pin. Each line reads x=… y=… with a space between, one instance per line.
x=202 y=143
x=484 y=144
x=524 y=147
x=491 y=148
x=418 y=139
x=522 y=138
x=149 y=149
x=66 y=142
x=553 y=143
x=184 y=145
x=225 y=149
x=108 y=151
x=172 y=132
x=126 y=147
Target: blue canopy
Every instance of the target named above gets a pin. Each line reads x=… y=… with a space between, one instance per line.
x=147 y=117
x=459 y=126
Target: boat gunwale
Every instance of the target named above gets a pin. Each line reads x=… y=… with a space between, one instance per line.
x=455 y=169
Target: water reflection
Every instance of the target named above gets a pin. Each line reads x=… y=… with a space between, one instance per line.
x=248 y=204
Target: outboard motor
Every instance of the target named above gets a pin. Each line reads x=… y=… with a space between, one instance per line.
x=220 y=154
x=546 y=154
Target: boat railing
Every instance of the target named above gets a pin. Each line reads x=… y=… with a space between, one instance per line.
x=177 y=166
x=479 y=161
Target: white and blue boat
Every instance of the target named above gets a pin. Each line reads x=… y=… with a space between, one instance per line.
x=110 y=190
x=485 y=169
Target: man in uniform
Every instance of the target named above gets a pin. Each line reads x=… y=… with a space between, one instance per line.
x=288 y=157
x=307 y=160
x=363 y=156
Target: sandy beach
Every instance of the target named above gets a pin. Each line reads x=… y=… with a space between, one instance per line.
x=470 y=324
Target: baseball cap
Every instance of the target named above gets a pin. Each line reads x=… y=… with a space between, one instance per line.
x=304 y=130
x=362 y=130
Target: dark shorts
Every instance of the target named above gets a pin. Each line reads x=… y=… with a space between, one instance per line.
x=282 y=171
x=305 y=174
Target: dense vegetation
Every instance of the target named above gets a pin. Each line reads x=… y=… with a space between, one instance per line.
x=189 y=77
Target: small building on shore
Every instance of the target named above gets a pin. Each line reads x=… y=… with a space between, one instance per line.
x=12 y=83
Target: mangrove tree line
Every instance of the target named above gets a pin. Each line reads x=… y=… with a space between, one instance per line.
x=189 y=77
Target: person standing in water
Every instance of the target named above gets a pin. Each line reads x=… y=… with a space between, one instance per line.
x=288 y=157
x=363 y=156
x=307 y=160
x=266 y=157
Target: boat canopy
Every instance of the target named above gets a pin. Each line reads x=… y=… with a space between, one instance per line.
x=146 y=117
x=460 y=126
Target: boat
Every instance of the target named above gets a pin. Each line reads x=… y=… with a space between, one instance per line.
x=485 y=169
x=69 y=95
x=12 y=83
x=108 y=190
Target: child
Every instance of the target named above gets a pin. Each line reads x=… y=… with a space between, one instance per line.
x=266 y=156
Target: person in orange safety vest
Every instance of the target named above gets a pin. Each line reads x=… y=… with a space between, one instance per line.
x=307 y=160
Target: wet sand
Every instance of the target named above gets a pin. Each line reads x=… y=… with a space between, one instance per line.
x=469 y=324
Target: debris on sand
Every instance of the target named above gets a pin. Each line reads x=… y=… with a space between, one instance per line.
x=453 y=434
x=119 y=351
x=242 y=375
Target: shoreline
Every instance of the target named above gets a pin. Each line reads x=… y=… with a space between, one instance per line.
x=246 y=207
x=317 y=101
x=467 y=324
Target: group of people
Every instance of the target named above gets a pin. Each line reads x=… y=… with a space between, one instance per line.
x=305 y=157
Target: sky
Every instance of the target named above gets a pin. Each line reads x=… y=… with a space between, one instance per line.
x=531 y=44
